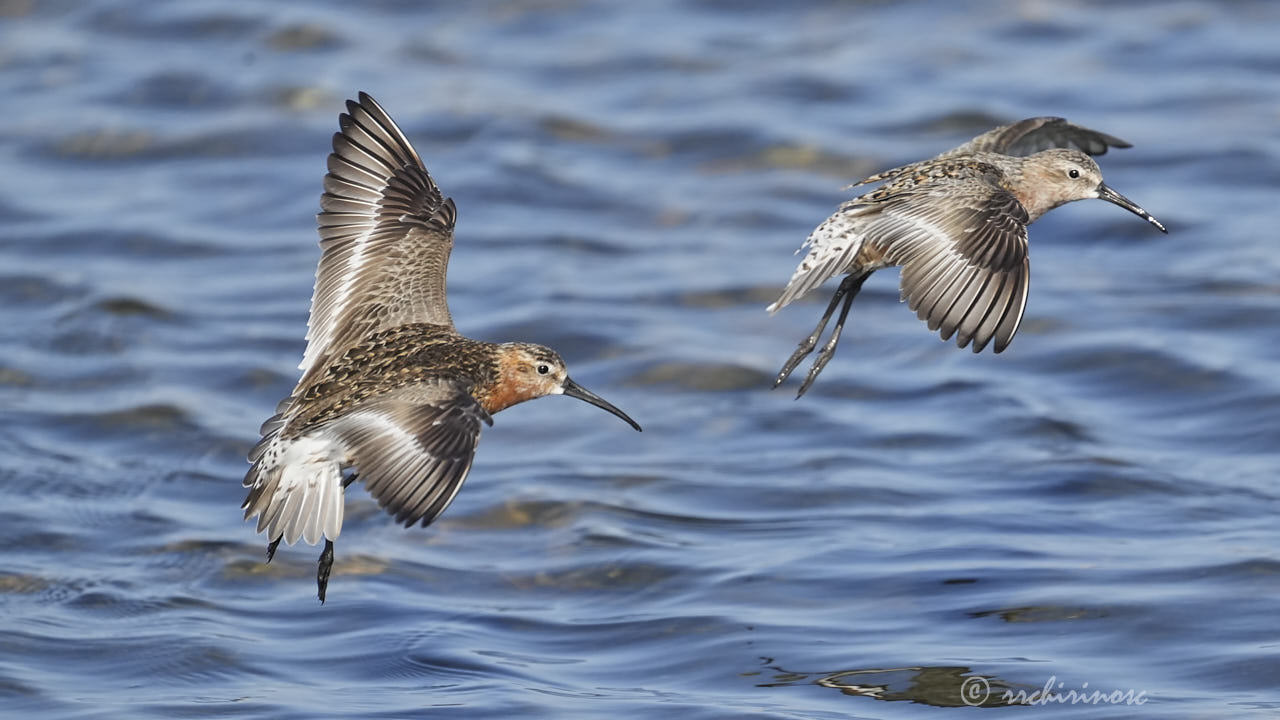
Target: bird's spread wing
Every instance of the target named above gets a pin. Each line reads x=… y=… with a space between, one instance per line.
x=1025 y=137
x=962 y=245
x=386 y=233
x=413 y=446
x=1030 y=136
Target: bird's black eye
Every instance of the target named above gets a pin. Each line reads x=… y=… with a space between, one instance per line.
x=1073 y=173
x=543 y=369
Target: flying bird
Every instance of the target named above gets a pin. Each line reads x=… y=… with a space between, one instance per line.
x=390 y=392
x=957 y=226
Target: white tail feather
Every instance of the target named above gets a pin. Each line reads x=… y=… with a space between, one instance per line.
x=307 y=498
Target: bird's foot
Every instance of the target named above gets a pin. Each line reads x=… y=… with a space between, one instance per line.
x=802 y=351
x=828 y=351
x=322 y=573
x=824 y=356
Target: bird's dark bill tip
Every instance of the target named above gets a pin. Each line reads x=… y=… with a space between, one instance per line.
x=1106 y=193
x=574 y=390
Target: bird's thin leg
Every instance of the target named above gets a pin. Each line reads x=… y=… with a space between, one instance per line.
x=326 y=564
x=271 y=548
x=829 y=350
x=809 y=343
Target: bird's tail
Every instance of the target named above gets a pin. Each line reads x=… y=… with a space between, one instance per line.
x=831 y=248
x=295 y=485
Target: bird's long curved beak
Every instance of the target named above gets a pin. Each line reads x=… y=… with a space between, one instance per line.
x=573 y=389
x=1111 y=196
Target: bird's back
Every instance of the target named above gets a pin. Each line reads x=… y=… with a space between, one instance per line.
x=970 y=173
x=387 y=360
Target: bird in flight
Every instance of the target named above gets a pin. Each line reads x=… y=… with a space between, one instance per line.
x=957 y=226
x=390 y=392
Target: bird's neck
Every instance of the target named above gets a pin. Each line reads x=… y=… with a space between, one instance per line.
x=506 y=386
x=1033 y=187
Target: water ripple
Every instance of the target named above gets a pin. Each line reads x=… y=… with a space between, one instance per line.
x=1094 y=505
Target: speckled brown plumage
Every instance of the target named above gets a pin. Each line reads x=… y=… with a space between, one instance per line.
x=957 y=225
x=390 y=393
x=908 y=179
x=390 y=359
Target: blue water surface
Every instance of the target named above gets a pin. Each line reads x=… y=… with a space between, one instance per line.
x=1095 y=507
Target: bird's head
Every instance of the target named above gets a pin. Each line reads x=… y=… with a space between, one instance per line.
x=527 y=371
x=1055 y=177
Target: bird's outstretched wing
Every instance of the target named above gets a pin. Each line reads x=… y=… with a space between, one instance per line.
x=962 y=245
x=1030 y=136
x=1025 y=137
x=386 y=233
x=413 y=446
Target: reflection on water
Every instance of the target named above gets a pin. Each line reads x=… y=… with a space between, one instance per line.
x=1096 y=505
x=937 y=686
x=957 y=687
